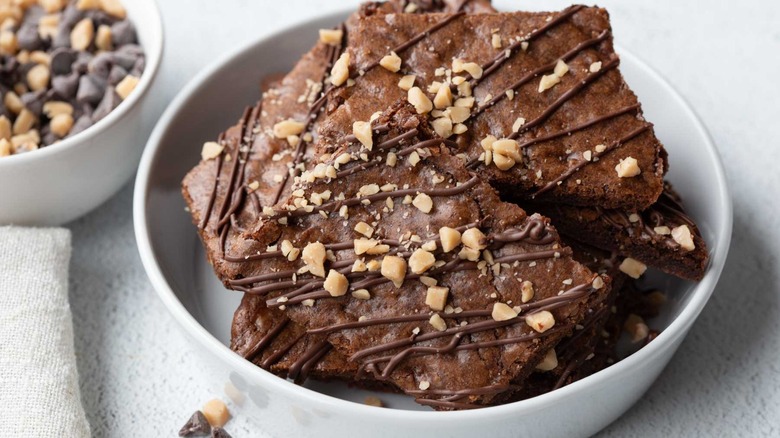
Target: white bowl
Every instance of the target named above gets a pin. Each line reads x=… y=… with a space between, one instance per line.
x=61 y=182
x=174 y=261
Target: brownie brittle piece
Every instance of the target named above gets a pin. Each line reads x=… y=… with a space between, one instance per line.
x=547 y=85
x=415 y=270
x=663 y=236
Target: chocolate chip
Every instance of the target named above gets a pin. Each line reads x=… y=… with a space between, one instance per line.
x=110 y=101
x=123 y=33
x=28 y=38
x=65 y=87
x=131 y=49
x=70 y=16
x=139 y=67
x=101 y=64
x=219 y=432
x=99 y=17
x=116 y=75
x=197 y=425
x=33 y=101
x=81 y=124
x=49 y=138
x=61 y=38
x=127 y=61
x=62 y=60
x=91 y=89
x=81 y=64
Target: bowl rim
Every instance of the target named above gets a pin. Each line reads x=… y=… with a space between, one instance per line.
x=153 y=55
x=667 y=338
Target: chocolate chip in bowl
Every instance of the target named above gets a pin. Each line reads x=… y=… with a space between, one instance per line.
x=75 y=78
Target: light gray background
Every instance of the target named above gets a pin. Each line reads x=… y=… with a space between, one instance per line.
x=140 y=375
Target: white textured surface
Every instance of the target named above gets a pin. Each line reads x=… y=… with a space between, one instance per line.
x=140 y=374
x=39 y=387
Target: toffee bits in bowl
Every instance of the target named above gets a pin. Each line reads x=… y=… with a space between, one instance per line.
x=65 y=66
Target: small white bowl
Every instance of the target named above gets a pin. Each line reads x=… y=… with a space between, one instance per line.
x=61 y=182
x=176 y=265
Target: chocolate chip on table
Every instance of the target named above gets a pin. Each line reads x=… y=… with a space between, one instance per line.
x=219 y=432
x=197 y=425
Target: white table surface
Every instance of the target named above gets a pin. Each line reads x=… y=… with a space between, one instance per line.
x=140 y=374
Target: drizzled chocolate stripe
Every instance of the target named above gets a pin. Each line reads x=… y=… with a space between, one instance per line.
x=540 y=70
x=266 y=340
x=417 y=38
x=582 y=163
x=299 y=370
x=581 y=127
x=456 y=264
x=213 y=194
x=493 y=65
x=457 y=333
x=336 y=205
x=314 y=111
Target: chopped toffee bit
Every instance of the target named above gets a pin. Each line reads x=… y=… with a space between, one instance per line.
x=216 y=412
x=436 y=297
x=632 y=267
x=540 y=321
x=373 y=401
x=683 y=236
x=628 y=168
x=331 y=36
x=211 y=150
x=549 y=363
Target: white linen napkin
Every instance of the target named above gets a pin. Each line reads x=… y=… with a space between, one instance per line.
x=39 y=386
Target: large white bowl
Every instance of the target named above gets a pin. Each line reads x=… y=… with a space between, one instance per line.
x=61 y=182
x=175 y=263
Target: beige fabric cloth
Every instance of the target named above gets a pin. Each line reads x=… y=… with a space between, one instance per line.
x=39 y=387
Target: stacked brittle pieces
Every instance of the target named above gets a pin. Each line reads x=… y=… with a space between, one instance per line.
x=379 y=207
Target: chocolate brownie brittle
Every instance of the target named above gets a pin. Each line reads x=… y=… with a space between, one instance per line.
x=663 y=236
x=373 y=232
x=547 y=84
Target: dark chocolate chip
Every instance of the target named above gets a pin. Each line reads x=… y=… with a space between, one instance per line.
x=61 y=38
x=131 y=49
x=81 y=124
x=81 y=64
x=197 y=425
x=49 y=138
x=33 y=101
x=65 y=87
x=62 y=60
x=116 y=75
x=127 y=61
x=91 y=89
x=219 y=432
x=110 y=101
x=101 y=64
x=28 y=38
x=139 y=67
x=99 y=18
x=70 y=16
x=123 y=33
